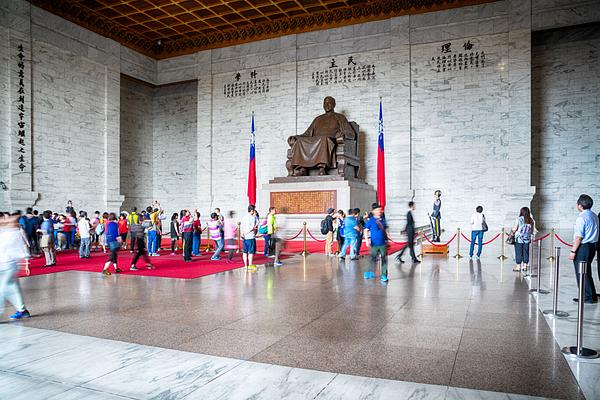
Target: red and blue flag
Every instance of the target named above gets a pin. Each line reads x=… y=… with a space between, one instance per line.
x=252 y=168
x=380 y=161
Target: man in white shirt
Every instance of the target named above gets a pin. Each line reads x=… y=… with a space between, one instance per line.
x=585 y=237
x=84 y=226
x=248 y=227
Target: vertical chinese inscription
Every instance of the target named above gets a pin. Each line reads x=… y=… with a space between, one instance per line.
x=21 y=108
x=304 y=202
x=451 y=60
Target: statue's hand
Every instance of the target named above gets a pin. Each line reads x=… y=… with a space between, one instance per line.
x=292 y=140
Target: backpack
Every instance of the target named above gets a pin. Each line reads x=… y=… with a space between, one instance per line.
x=99 y=229
x=324 y=227
x=263 y=229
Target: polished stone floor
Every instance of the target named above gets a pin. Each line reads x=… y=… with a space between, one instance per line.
x=466 y=324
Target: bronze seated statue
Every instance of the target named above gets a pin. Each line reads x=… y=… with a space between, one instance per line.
x=329 y=146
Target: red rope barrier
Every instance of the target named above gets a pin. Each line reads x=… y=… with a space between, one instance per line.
x=542 y=238
x=484 y=243
x=464 y=237
x=491 y=240
x=294 y=237
x=314 y=238
x=562 y=241
x=440 y=244
x=398 y=243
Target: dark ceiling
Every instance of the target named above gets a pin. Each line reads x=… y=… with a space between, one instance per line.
x=186 y=26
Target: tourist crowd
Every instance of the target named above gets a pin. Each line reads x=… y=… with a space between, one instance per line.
x=23 y=236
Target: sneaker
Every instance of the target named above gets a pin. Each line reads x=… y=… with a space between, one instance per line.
x=133 y=268
x=384 y=278
x=278 y=263
x=342 y=257
x=156 y=255
x=172 y=254
x=369 y=275
x=524 y=267
x=215 y=259
x=118 y=270
x=517 y=268
x=106 y=272
x=252 y=267
x=20 y=315
x=150 y=266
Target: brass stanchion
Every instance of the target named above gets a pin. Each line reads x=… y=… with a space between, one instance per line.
x=239 y=237
x=502 y=256
x=421 y=238
x=207 y=239
x=304 y=252
x=457 y=255
x=551 y=257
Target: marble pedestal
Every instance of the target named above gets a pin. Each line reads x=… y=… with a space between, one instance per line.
x=348 y=194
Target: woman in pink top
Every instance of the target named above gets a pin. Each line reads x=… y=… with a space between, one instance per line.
x=230 y=235
x=215 y=226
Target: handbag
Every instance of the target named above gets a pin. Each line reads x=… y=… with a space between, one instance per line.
x=510 y=239
x=484 y=225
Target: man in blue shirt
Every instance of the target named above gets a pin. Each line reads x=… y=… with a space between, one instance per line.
x=377 y=240
x=585 y=238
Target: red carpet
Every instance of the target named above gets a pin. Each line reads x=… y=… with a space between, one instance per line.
x=167 y=266
x=173 y=266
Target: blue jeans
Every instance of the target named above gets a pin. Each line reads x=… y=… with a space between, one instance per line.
x=72 y=243
x=267 y=241
x=84 y=247
x=349 y=242
x=521 y=253
x=196 y=243
x=479 y=236
x=220 y=244
x=152 y=242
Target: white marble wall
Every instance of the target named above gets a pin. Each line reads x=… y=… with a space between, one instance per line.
x=174 y=158
x=566 y=91
x=137 y=142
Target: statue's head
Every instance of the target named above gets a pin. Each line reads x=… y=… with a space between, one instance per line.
x=329 y=103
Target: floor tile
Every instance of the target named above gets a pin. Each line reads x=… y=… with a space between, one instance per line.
x=105 y=356
x=168 y=374
x=21 y=387
x=230 y=343
x=347 y=387
x=402 y=363
x=259 y=381
x=515 y=374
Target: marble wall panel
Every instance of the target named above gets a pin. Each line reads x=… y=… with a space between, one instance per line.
x=566 y=142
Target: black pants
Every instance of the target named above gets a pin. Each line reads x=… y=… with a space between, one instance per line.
x=358 y=244
x=141 y=251
x=187 y=246
x=411 y=246
x=132 y=242
x=586 y=252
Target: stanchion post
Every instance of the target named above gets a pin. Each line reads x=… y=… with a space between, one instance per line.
x=207 y=239
x=552 y=256
x=304 y=229
x=578 y=350
x=502 y=256
x=239 y=236
x=421 y=236
x=539 y=289
x=529 y=271
x=555 y=312
x=457 y=255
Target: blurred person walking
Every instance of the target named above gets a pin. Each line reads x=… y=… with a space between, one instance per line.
x=14 y=249
x=113 y=240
